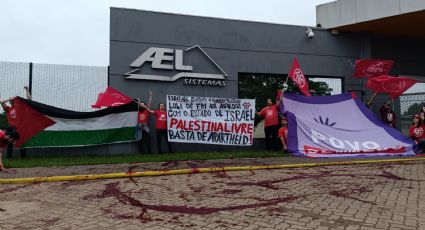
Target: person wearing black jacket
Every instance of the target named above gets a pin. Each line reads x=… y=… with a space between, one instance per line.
x=387 y=114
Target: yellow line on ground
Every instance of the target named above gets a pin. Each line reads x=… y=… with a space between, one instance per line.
x=194 y=170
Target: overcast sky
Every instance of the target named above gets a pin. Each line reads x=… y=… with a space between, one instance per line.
x=76 y=32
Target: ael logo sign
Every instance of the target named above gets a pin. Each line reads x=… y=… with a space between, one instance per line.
x=172 y=60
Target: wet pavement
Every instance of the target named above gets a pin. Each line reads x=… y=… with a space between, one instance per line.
x=369 y=196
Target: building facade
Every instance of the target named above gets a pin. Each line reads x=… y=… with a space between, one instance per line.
x=201 y=56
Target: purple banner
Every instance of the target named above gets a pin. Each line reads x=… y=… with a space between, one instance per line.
x=339 y=126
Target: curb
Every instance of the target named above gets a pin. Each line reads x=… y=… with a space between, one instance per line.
x=192 y=171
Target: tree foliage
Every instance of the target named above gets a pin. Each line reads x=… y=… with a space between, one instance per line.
x=414 y=109
x=261 y=87
x=3 y=121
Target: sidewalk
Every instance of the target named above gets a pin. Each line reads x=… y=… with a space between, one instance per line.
x=172 y=165
x=367 y=196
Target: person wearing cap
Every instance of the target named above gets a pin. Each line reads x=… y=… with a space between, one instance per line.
x=283 y=133
x=417 y=132
x=6 y=138
x=271 y=124
x=387 y=114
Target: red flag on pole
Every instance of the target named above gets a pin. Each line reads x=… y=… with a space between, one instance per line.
x=394 y=86
x=111 y=97
x=297 y=76
x=369 y=68
x=29 y=122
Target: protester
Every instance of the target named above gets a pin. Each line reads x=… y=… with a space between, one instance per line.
x=6 y=138
x=387 y=114
x=417 y=132
x=271 y=124
x=11 y=119
x=161 y=126
x=143 y=125
x=283 y=133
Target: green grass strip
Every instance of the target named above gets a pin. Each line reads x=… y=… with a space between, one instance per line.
x=133 y=158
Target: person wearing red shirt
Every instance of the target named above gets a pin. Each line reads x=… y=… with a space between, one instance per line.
x=283 y=134
x=10 y=111
x=11 y=120
x=143 y=137
x=417 y=132
x=161 y=126
x=6 y=138
x=271 y=124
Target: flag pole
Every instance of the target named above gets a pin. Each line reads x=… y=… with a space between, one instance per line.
x=285 y=87
x=285 y=84
x=369 y=103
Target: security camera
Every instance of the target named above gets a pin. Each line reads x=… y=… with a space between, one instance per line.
x=309 y=33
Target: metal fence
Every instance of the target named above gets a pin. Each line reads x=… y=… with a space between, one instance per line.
x=410 y=104
x=77 y=87
x=64 y=86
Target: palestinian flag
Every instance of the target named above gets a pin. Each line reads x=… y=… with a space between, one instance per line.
x=41 y=125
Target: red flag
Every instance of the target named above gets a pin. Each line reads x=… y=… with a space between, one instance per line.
x=111 y=97
x=394 y=86
x=99 y=100
x=369 y=68
x=29 y=122
x=297 y=76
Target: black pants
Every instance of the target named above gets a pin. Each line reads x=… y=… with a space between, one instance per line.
x=159 y=134
x=145 y=141
x=271 y=137
x=421 y=146
x=10 y=151
x=10 y=146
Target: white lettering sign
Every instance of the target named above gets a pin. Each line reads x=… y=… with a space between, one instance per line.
x=173 y=60
x=337 y=143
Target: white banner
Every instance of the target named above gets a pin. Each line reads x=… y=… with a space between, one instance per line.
x=209 y=120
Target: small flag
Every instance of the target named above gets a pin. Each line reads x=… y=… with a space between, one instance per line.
x=394 y=86
x=369 y=68
x=110 y=98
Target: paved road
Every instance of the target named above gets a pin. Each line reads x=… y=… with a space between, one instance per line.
x=373 y=196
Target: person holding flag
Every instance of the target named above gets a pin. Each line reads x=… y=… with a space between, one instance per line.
x=271 y=123
x=143 y=130
x=161 y=126
x=11 y=120
x=6 y=138
x=270 y=112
